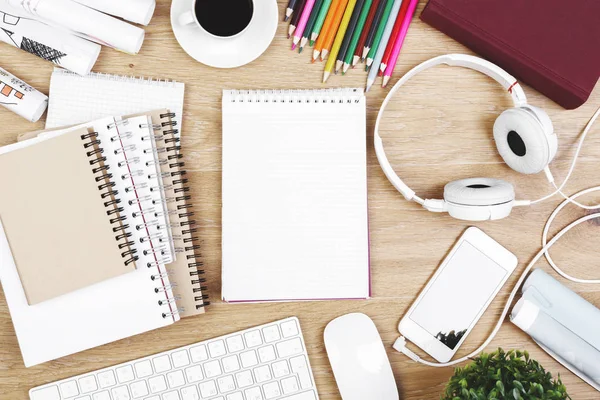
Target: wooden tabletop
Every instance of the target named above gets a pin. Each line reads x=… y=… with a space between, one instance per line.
x=438 y=129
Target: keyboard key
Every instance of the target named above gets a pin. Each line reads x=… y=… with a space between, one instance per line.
x=69 y=389
x=47 y=393
x=235 y=396
x=180 y=359
x=253 y=338
x=310 y=395
x=106 y=379
x=289 y=347
x=244 y=379
x=120 y=393
x=300 y=367
x=235 y=343
x=226 y=384
x=171 y=396
x=88 y=384
x=162 y=364
x=289 y=328
x=208 y=389
x=175 y=379
x=190 y=393
x=199 y=353
x=104 y=395
x=125 y=374
x=138 y=389
x=290 y=385
x=217 y=348
x=230 y=364
x=253 y=394
x=271 y=390
x=267 y=354
x=280 y=368
x=212 y=369
x=157 y=384
x=262 y=374
x=271 y=333
x=194 y=374
x=249 y=359
x=143 y=369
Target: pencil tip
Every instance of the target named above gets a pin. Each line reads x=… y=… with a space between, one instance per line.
x=325 y=76
x=286 y=18
x=300 y=50
x=312 y=43
x=386 y=79
x=293 y=46
x=355 y=60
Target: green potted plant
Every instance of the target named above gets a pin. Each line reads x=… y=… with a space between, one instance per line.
x=504 y=375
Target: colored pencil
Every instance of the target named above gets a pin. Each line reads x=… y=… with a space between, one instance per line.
x=326 y=27
x=380 y=28
x=373 y=29
x=363 y=36
x=390 y=45
x=319 y=22
x=302 y=23
x=339 y=38
x=399 y=41
x=384 y=31
x=377 y=55
x=334 y=29
x=290 y=9
x=296 y=18
x=348 y=36
x=310 y=24
x=356 y=35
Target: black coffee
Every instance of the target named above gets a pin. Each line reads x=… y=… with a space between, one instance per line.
x=224 y=17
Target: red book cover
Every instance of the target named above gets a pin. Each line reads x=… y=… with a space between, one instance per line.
x=551 y=45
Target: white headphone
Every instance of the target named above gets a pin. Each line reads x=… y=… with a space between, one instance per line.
x=524 y=136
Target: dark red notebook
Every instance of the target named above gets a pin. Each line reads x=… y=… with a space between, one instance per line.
x=551 y=45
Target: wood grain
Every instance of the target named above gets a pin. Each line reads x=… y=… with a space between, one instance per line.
x=438 y=129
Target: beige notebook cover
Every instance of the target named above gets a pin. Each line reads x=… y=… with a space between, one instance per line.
x=55 y=219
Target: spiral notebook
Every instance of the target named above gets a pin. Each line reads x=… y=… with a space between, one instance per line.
x=135 y=174
x=295 y=218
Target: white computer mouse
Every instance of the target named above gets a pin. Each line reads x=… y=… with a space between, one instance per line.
x=358 y=359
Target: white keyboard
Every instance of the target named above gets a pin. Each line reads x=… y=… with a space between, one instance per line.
x=261 y=363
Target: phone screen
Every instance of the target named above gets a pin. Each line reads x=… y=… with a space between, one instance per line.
x=458 y=294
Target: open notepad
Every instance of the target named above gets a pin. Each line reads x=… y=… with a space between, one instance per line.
x=295 y=218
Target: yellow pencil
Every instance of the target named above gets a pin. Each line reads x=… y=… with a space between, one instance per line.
x=339 y=38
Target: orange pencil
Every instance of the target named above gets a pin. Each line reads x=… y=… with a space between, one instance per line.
x=332 y=30
x=325 y=29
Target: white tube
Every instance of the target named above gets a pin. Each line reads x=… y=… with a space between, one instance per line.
x=52 y=44
x=21 y=98
x=136 y=11
x=86 y=22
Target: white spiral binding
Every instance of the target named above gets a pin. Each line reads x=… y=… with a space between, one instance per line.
x=331 y=96
x=121 y=78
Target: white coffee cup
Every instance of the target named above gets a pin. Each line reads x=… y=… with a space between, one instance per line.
x=224 y=19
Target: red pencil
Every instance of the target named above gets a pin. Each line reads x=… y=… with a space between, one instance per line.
x=390 y=45
x=365 y=32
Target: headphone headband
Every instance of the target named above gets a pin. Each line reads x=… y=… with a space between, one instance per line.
x=507 y=81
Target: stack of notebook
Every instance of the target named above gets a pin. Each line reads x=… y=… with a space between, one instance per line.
x=105 y=207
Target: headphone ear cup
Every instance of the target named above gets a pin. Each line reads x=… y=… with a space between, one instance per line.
x=479 y=199
x=523 y=142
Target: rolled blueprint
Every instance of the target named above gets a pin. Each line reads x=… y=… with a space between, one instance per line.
x=137 y=11
x=85 y=22
x=21 y=98
x=562 y=323
x=20 y=30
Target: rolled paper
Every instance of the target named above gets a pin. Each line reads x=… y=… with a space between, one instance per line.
x=20 y=30
x=136 y=11
x=21 y=98
x=86 y=23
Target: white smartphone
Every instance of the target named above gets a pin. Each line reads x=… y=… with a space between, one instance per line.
x=458 y=294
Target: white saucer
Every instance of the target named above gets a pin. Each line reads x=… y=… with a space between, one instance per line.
x=227 y=52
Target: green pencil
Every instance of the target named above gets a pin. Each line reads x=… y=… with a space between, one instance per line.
x=386 y=15
x=319 y=22
x=357 y=32
x=310 y=24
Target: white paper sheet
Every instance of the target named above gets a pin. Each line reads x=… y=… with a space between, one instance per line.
x=138 y=11
x=21 y=98
x=19 y=29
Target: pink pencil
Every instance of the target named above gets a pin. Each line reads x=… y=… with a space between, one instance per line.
x=302 y=23
x=399 y=41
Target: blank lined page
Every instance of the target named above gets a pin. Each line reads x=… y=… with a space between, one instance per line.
x=295 y=218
